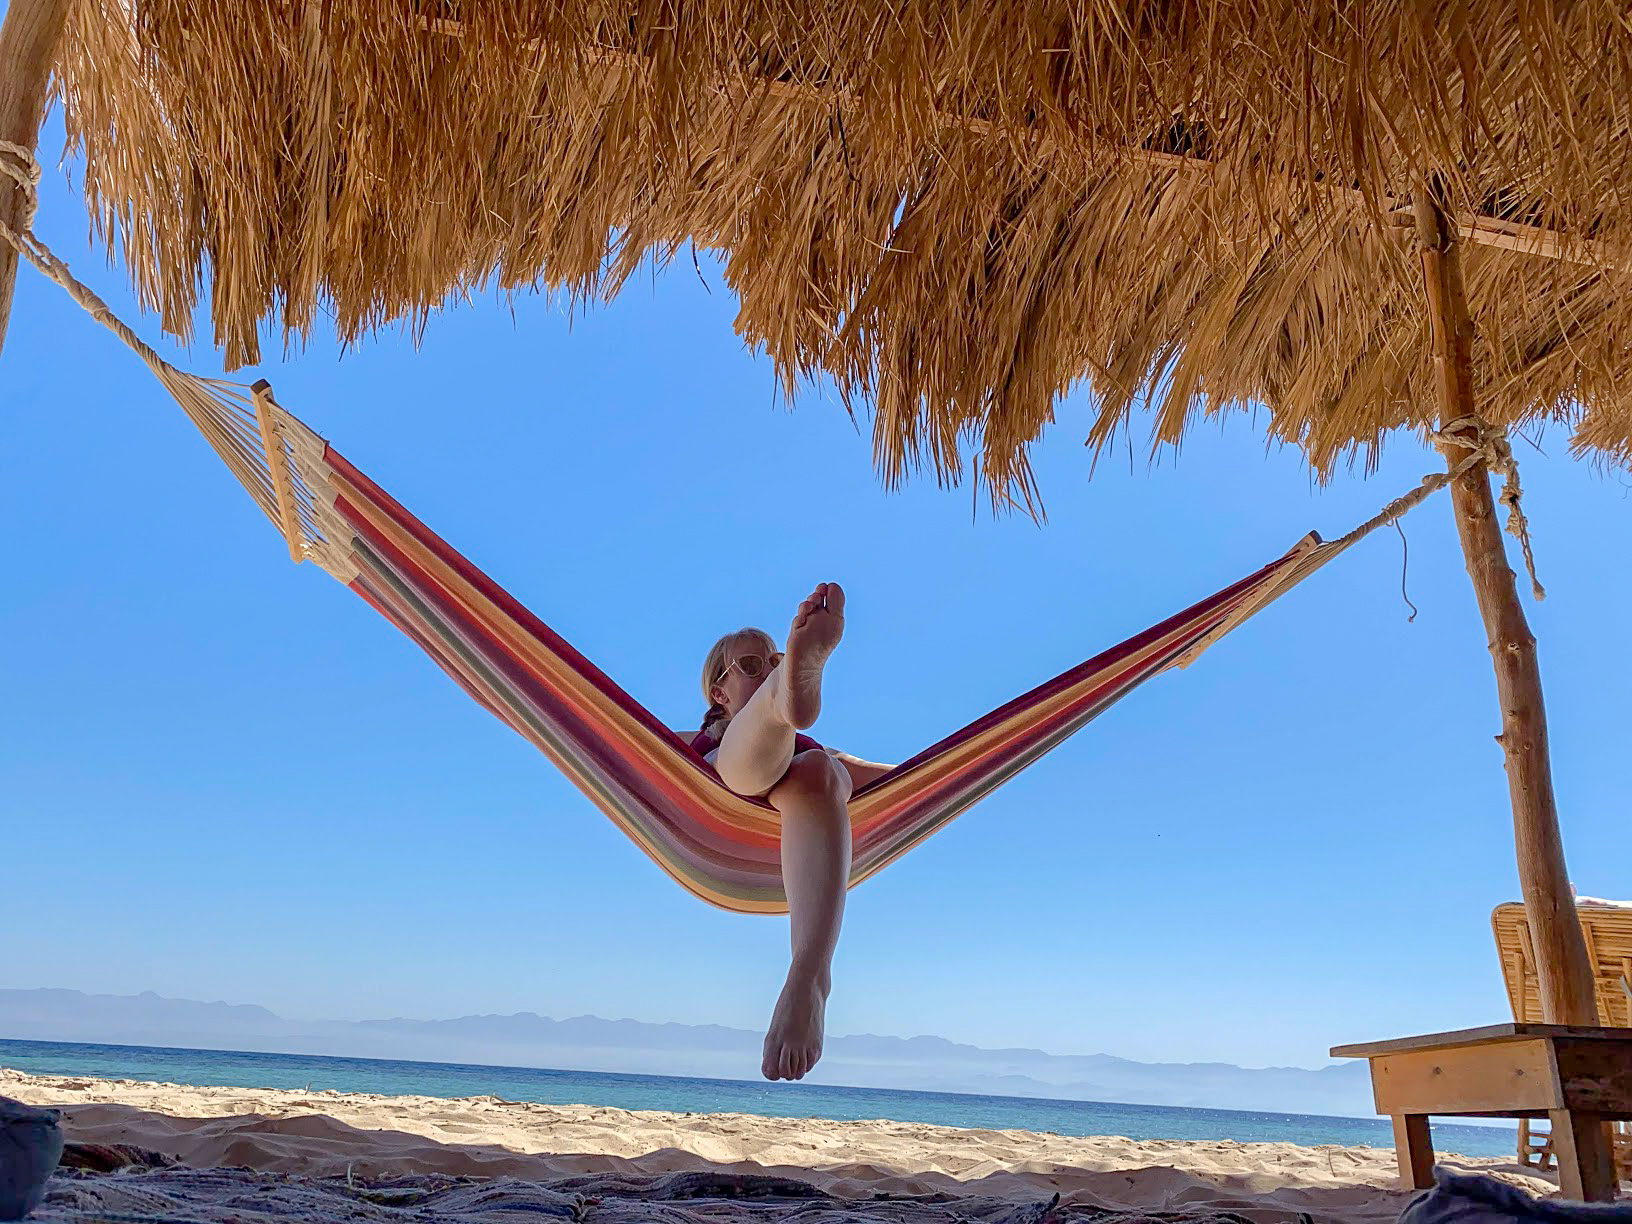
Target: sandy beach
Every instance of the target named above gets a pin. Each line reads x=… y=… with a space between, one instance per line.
x=331 y=1133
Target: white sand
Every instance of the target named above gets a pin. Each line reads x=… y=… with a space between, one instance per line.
x=325 y=1133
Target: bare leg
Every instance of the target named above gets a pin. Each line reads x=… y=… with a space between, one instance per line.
x=812 y=798
x=758 y=744
x=811 y=791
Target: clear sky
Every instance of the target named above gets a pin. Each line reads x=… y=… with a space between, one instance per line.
x=224 y=777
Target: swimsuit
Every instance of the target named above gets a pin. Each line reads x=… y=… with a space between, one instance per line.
x=705 y=745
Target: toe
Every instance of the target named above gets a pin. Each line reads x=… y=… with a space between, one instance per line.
x=835 y=597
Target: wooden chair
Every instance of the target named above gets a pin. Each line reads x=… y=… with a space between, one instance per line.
x=1608 y=930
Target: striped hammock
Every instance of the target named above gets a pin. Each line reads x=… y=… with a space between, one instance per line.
x=718 y=845
x=670 y=802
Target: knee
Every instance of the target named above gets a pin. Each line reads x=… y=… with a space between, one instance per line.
x=813 y=775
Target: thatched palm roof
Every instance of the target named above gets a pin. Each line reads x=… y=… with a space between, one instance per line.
x=957 y=208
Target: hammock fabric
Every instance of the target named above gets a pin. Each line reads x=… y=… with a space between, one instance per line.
x=718 y=845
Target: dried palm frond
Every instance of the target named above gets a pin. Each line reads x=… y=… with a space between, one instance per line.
x=957 y=209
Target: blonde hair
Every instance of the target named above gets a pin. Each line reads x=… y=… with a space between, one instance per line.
x=716 y=720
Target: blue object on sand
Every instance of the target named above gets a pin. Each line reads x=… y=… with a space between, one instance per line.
x=1461 y=1198
x=30 y=1146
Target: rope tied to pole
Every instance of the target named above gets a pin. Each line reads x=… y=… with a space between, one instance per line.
x=1408 y=501
x=18 y=163
x=222 y=410
x=1488 y=444
x=20 y=166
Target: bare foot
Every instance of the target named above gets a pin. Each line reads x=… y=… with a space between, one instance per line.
x=793 y=1044
x=817 y=627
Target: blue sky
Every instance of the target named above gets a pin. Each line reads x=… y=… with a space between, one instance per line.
x=224 y=777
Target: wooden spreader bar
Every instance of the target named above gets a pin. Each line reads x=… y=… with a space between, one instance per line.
x=278 y=465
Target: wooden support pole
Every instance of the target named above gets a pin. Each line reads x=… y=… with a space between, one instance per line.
x=1562 y=965
x=28 y=50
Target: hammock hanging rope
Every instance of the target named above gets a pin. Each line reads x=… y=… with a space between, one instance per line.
x=718 y=845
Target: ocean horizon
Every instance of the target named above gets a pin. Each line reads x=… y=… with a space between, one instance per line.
x=684 y=1094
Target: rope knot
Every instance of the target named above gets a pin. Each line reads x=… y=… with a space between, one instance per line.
x=17 y=162
x=1488 y=443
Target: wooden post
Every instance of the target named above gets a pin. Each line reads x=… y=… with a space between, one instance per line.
x=1414 y=1151
x=1585 y=1155
x=1562 y=965
x=28 y=50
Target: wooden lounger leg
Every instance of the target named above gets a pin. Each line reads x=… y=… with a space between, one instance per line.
x=1414 y=1149
x=1586 y=1167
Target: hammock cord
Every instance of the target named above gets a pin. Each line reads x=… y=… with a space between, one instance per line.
x=223 y=403
x=222 y=410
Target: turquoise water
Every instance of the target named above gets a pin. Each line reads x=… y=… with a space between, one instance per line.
x=246 y=1069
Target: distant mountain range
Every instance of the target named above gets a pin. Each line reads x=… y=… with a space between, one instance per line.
x=589 y=1043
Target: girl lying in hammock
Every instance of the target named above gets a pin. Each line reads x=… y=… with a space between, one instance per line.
x=760 y=700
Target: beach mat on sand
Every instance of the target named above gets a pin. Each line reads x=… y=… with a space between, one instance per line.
x=1458 y=1198
x=239 y=1196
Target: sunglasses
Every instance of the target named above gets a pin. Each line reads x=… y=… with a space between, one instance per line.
x=751 y=666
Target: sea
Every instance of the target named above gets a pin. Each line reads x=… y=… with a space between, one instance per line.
x=679 y=1094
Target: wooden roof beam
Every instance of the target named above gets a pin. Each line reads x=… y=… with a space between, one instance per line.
x=1475 y=228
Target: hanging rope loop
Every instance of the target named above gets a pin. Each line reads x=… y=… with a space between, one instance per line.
x=1488 y=443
